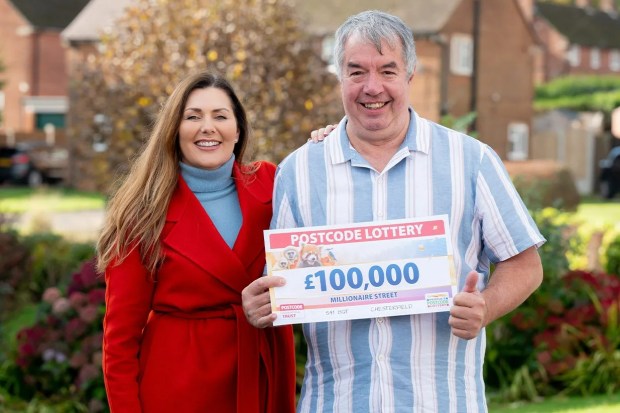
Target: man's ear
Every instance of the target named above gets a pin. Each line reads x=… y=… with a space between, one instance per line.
x=412 y=74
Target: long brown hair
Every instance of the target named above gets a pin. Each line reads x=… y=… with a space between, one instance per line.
x=136 y=212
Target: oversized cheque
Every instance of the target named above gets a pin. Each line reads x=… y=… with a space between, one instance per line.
x=363 y=270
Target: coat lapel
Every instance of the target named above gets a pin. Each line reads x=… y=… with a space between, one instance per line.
x=254 y=193
x=192 y=234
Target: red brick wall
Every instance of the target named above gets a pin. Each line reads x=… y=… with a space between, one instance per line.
x=584 y=67
x=506 y=52
x=506 y=65
x=35 y=59
x=459 y=86
x=15 y=54
x=52 y=63
x=555 y=46
x=425 y=91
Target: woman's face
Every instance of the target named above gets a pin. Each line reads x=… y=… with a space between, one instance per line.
x=208 y=130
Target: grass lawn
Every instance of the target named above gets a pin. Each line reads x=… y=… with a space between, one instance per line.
x=599 y=213
x=593 y=404
x=24 y=317
x=22 y=199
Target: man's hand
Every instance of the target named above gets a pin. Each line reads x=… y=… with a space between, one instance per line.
x=257 y=303
x=469 y=312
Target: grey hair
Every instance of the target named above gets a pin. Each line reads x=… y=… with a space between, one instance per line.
x=375 y=26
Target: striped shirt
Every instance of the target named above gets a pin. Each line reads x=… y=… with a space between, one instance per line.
x=405 y=363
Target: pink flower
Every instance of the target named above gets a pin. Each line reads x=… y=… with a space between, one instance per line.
x=61 y=306
x=78 y=300
x=74 y=329
x=51 y=295
x=89 y=313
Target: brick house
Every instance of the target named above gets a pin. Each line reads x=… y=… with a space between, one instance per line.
x=578 y=40
x=35 y=75
x=473 y=55
x=82 y=34
x=446 y=80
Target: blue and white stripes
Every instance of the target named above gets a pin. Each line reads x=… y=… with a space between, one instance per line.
x=408 y=363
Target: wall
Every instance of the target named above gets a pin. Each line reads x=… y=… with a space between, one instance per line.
x=35 y=66
x=425 y=90
x=570 y=138
x=506 y=52
x=15 y=53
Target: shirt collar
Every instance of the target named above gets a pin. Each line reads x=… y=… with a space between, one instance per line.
x=340 y=149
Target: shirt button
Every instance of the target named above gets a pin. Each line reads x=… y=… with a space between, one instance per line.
x=379 y=320
x=380 y=214
x=380 y=357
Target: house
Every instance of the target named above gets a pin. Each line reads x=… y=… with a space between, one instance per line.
x=452 y=77
x=83 y=33
x=578 y=40
x=34 y=96
x=473 y=56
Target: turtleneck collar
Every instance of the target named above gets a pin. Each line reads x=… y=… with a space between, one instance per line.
x=208 y=180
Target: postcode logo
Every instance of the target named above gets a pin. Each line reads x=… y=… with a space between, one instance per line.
x=437 y=300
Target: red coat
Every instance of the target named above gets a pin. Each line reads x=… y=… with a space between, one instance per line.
x=182 y=343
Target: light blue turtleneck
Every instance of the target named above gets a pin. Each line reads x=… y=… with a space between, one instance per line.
x=216 y=191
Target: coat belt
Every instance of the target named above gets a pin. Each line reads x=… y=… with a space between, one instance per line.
x=249 y=341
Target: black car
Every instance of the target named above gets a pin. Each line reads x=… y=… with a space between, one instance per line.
x=33 y=164
x=609 y=183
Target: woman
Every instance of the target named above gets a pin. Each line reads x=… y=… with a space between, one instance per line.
x=182 y=238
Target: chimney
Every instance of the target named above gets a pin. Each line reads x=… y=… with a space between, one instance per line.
x=608 y=6
x=582 y=3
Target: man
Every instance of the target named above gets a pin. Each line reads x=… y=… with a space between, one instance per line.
x=385 y=162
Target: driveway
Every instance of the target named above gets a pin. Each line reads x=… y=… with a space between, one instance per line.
x=79 y=226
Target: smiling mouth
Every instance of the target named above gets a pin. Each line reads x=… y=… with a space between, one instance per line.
x=207 y=144
x=377 y=105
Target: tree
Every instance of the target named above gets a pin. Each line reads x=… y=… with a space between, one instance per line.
x=257 y=44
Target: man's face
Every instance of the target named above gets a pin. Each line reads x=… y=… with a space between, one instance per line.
x=374 y=91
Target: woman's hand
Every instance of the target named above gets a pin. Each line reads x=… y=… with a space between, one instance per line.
x=318 y=135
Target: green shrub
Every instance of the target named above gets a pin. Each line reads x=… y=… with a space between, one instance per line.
x=612 y=254
x=53 y=258
x=581 y=93
x=565 y=338
x=60 y=355
x=580 y=348
x=511 y=361
x=14 y=270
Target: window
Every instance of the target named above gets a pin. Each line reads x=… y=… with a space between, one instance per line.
x=574 y=56
x=461 y=55
x=595 y=58
x=614 y=60
x=56 y=119
x=518 y=140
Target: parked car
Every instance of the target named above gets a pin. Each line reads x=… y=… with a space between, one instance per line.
x=609 y=183
x=33 y=163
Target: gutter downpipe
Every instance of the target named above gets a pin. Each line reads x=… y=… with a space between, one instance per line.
x=473 y=103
